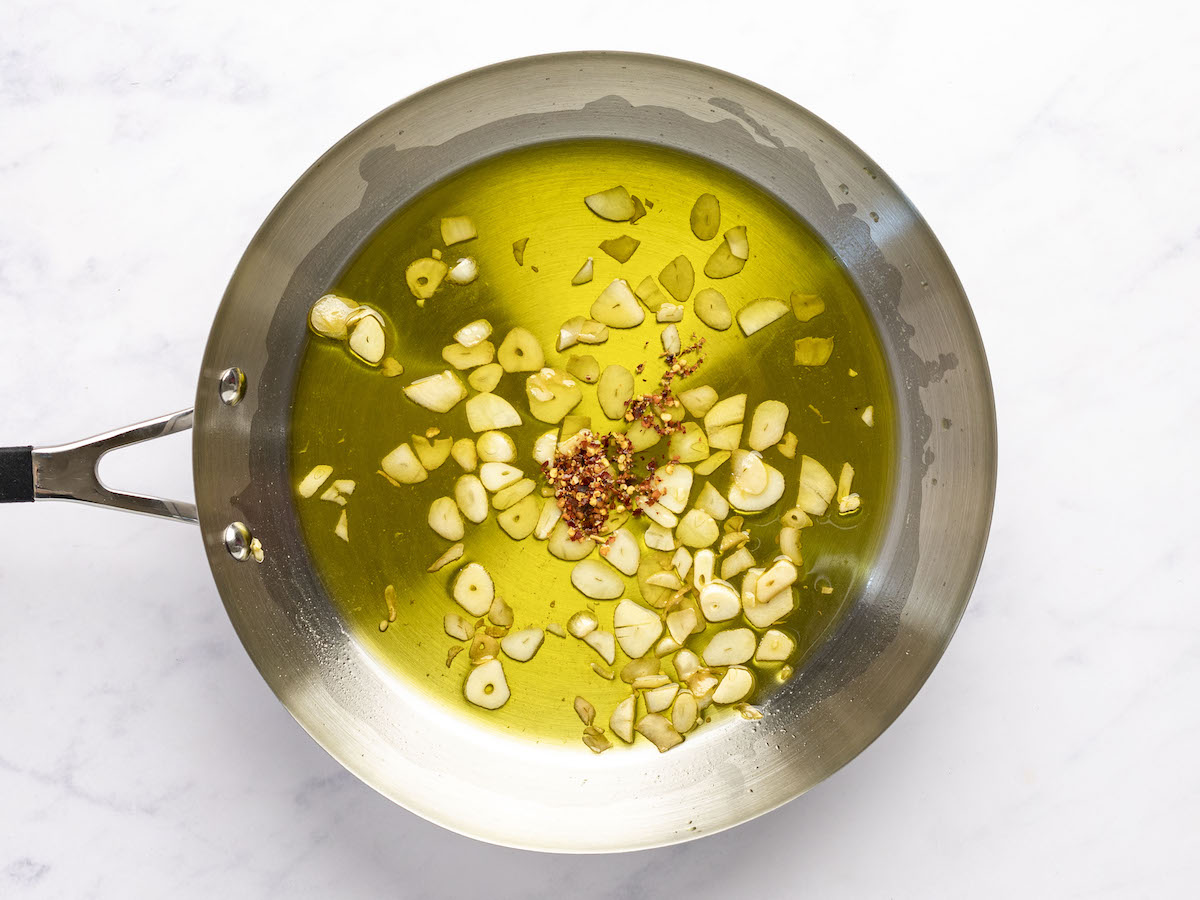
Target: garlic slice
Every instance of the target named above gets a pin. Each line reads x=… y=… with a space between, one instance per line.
x=685 y=712
x=660 y=698
x=759 y=314
x=676 y=482
x=473 y=589
x=469 y=357
x=551 y=395
x=682 y=561
x=311 y=483
x=495 y=446
x=706 y=217
x=727 y=437
x=562 y=546
x=424 y=276
x=520 y=352
x=669 y=312
x=868 y=416
x=342 y=528
x=730 y=647
x=817 y=487
x=622 y=552
x=614 y=390
x=456 y=229
x=719 y=602
x=439 y=393
x=813 y=351
x=697 y=529
x=723 y=263
x=403 y=466
x=585 y=711
x=689 y=445
x=659 y=731
x=508 y=497
x=847 y=502
x=775 y=646
x=446 y=558
x=766 y=498
x=659 y=538
x=702 y=568
x=329 y=314
x=568 y=332
x=464 y=271
x=668 y=580
x=547 y=519
x=585 y=368
x=431 y=453
x=760 y=615
x=471 y=498
x=736 y=684
x=637 y=628
x=582 y=623
x=713 y=463
x=621 y=720
x=584 y=275
x=614 y=204
x=658 y=514
x=486 y=377
x=789 y=544
x=678 y=278
x=486 y=686
x=603 y=643
x=474 y=333
x=518 y=249
x=496 y=476
x=768 y=424
x=712 y=309
x=736 y=563
x=522 y=645
x=666 y=646
x=780 y=576
x=711 y=501
x=489 y=411
x=686 y=664
x=594 y=579
x=544 y=447
x=670 y=341
x=367 y=340
x=617 y=307
x=647 y=291
x=698 y=401
x=729 y=411
x=620 y=249
x=806 y=306
x=749 y=472
x=445 y=520
x=683 y=623
x=457 y=627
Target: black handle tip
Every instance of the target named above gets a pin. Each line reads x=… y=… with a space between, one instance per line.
x=16 y=474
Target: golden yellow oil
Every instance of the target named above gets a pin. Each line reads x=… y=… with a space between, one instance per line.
x=349 y=416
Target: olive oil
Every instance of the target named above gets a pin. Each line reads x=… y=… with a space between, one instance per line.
x=534 y=237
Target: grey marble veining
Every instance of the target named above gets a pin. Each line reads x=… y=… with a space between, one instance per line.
x=1052 y=148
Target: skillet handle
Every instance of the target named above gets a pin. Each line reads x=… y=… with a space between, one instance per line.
x=69 y=471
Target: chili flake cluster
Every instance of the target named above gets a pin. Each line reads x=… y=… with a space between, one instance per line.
x=656 y=409
x=594 y=477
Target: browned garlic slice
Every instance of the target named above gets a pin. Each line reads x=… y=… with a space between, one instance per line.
x=617 y=307
x=424 y=276
x=486 y=412
x=403 y=466
x=445 y=519
x=659 y=731
x=603 y=643
x=473 y=589
x=520 y=352
x=712 y=309
x=697 y=529
x=813 y=351
x=817 y=487
x=706 y=217
x=456 y=229
x=439 y=393
x=621 y=720
x=522 y=645
x=486 y=377
x=495 y=446
x=719 y=602
x=729 y=647
x=614 y=204
x=759 y=314
x=551 y=395
x=806 y=306
x=594 y=579
x=471 y=498
x=446 y=558
x=620 y=249
x=637 y=628
x=486 y=686
x=585 y=711
x=775 y=646
x=678 y=278
x=736 y=684
x=329 y=314
x=312 y=482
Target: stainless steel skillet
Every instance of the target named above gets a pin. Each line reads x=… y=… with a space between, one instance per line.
x=553 y=798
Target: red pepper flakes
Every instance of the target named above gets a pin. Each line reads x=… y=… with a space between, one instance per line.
x=657 y=409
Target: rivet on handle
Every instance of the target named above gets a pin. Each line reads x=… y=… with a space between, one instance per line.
x=232 y=386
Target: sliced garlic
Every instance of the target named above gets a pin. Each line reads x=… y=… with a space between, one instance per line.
x=787 y=447
x=562 y=546
x=678 y=278
x=431 y=453
x=660 y=698
x=568 y=332
x=766 y=428
x=367 y=340
x=312 y=482
x=486 y=686
x=474 y=333
x=486 y=377
x=712 y=310
x=469 y=357
x=729 y=411
x=614 y=204
x=486 y=412
x=584 y=275
x=402 y=465
x=817 y=487
x=736 y=563
x=522 y=645
x=731 y=540
x=780 y=576
x=683 y=623
x=391 y=368
x=702 y=568
x=439 y=393
x=464 y=271
x=444 y=519
x=473 y=589
x=689 y=445
x=547 y=519
x=424 y=277
x=668 y=580
x=557 y=630
x=813 y=351
x=659 y=731
x=495 y=446
x=739 y=246
x=706 y=217
x=713 y=463
x=585 y=368
x=760 y=615
x=789 y=544
x=622 y=552
x=551 y=395
x=711 y=502
x=603 y=643
x=759 y=314
x=471 y=498
x=620 y=249
x=342 y=528
x=736 y=684
x=729 y=647
x=641 y=436
x=686 y=664
x=621 y=720
x=727 y=437
x=594 y=579
x=749 y=472
x=456 y=229
x=719 y=602
x=520 y=352
x=775 y=646
x=669 y=312
x=446 y=558
x=457 y=627
x=697 y=529
x=617 y=307
x=658 y=514
x=723 y=263
x=670 y=341
x=685 y=712
x=514 y=493
x=806 y=306
x=746 y=502
x=518 y=249
x=500 y=614
x=682 y=561
x=666 y=646
x=585 y=711
x=847 y=502
x=329 y=314
x=647 y=291
x=868 y=416
x=582 y=623
x=571 y=426
x=702 y=684
x=700 y=400
x=544 y=447
x=676 y=482
x=659 y=538
x=496 y=476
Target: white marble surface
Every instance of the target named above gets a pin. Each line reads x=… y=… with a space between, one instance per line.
x=1052 y=146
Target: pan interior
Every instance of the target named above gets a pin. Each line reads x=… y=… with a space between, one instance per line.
x=349 y=415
